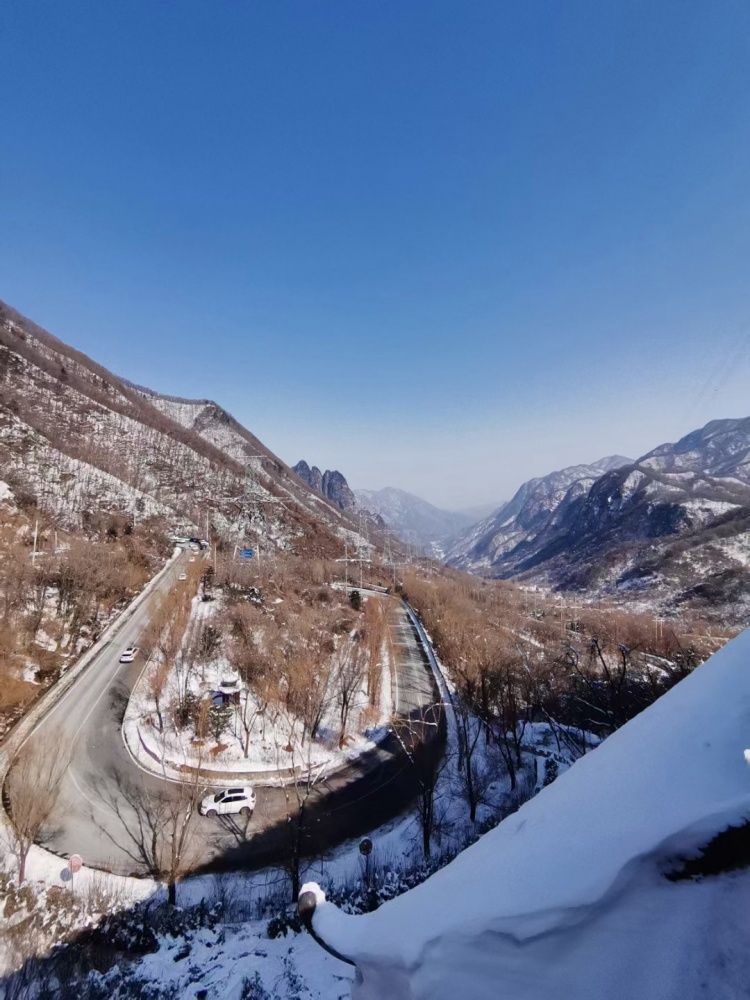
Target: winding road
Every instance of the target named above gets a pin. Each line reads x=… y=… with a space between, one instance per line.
x=107 y=802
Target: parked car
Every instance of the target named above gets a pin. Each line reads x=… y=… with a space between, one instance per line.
x=229 y=800
x=129 y=654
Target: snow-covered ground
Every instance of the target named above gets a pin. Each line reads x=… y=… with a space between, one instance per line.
x=275 y=743
x=241 y=961
x=569 y=896
x=237 y=959
x=224 y=958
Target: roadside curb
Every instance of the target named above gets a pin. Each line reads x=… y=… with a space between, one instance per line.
x=159 y=768
x=442 y=685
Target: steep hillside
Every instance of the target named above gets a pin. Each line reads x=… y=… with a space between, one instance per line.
x=415 y=520
x=664 y=530
x=80 y=443
x=720 y=450
x=670 y=530
x=491 y=545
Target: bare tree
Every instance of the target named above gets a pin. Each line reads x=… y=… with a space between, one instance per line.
x=158 y=824
x=348 y=674
x=255 y=653
x=374 y=632
x=419 y=741
x=164 y=639
x=297 y=796
x=469 y=736
x=33 y=788
x=175 y=847
x=157 y=682
x=309 y=676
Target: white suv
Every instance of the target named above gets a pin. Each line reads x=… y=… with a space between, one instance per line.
x=229 y=800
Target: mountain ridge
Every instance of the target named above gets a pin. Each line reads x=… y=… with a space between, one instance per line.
x=81 y=442
x=669 y=530
x=528 y=512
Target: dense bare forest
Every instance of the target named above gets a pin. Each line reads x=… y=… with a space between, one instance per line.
x=518 y=656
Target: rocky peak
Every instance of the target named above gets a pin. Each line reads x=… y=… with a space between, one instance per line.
x=312 y=476
x=331 y=484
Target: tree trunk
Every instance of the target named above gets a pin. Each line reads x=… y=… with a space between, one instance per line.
x=426 y=829
x=295 y=880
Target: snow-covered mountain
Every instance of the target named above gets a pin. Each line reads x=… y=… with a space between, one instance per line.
x=626 y=878
x=415 y=520
x=78 y=442
x=671 y=529
x=720 y=450
x=491 y=545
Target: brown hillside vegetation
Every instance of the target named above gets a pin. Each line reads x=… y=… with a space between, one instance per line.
x=517 y=657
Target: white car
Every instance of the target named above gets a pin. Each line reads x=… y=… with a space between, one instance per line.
x=182 y=576
x=129 y=654
x=229 y=800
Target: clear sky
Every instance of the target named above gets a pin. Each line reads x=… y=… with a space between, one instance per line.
x=438 y=245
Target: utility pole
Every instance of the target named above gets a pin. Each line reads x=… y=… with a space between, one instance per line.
x=36 y=535
x=361 y=548
x=562 y=618
x=658 y=628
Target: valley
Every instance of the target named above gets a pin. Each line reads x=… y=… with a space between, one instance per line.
x=188 y=620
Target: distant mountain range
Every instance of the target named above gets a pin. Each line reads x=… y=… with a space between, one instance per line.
x=415 y=520
x=671 y=529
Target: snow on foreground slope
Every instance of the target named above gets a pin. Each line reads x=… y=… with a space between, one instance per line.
x=567 y=897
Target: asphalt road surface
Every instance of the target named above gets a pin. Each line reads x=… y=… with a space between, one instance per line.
x=108 y=805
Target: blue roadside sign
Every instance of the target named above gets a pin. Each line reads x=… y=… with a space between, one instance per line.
x=247 y=553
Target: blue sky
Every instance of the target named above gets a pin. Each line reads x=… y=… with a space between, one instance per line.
x=442 y=246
